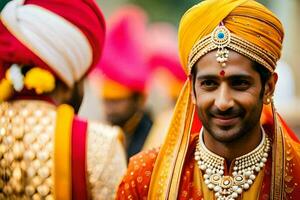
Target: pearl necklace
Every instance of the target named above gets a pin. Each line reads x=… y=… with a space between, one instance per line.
x=244 y=170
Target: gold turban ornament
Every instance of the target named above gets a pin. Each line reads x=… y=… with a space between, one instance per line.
x=254 y=32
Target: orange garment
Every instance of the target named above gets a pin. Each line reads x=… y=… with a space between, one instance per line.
x=135 y=184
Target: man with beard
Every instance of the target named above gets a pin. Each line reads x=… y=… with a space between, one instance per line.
x=46 y=151
x=244 y=149
x=125 y=74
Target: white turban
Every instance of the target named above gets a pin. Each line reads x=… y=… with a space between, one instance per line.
x=67 y=51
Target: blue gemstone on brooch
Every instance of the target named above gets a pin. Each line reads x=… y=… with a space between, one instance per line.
x=221 y=35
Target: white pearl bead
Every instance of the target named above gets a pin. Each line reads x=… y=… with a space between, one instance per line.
x=239 y=190
x=207 y=182
x=249 y=181
x=210 y=186
x=234 y=195
x=217 y=188
x=206 y=176
x=197 y=158
x=235 y=188
x=261 y=165
x=203 y=167
x=252 y=177
x=247 y=173
x=257 y=169
x=246 y=186
x=208 y=171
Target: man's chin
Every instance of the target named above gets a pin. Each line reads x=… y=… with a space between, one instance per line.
x=114 y=121
x=225 y=133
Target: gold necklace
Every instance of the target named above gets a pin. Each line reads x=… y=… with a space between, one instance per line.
x=244 y=170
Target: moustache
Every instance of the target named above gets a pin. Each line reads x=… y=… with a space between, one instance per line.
x=229 y=113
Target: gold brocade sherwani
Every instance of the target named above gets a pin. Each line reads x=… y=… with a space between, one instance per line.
x=32 y=160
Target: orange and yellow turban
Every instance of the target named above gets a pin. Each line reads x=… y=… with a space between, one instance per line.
x=259 y=35
x=247 y=19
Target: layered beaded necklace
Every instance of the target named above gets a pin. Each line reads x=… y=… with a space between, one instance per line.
x=244 y=171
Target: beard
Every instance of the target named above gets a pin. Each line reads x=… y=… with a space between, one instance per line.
x=117 y=119
x=245 y=121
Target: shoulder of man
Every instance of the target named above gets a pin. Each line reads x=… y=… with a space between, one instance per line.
x=136 y=182
x=104 y=131
x=102 y=141
x=106 y=158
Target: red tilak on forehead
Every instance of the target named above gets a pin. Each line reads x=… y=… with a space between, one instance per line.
x=222 y=73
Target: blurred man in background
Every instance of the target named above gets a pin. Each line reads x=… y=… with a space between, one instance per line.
x=125 y=73
x=46 y=151
x=167 y=77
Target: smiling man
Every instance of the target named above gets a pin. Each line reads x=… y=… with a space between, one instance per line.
x=244 y=149
x=229 y=102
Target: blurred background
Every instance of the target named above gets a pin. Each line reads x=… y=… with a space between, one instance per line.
x=288 y=91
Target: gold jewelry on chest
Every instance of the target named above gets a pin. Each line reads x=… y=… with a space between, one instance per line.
x=246 y=167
